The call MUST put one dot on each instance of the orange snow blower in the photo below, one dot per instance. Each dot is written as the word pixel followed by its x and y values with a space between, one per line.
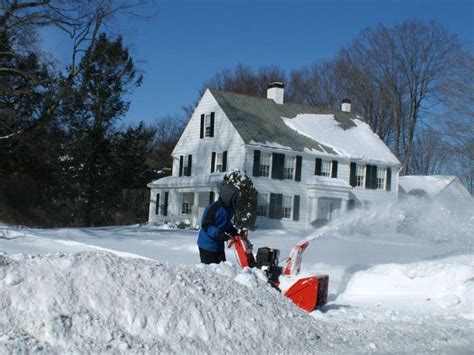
pixel 307 293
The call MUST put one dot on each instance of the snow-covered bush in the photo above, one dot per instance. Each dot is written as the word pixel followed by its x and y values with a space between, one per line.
pixel 246 212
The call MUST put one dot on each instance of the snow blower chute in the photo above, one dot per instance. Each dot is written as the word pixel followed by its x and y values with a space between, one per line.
pixel 307 293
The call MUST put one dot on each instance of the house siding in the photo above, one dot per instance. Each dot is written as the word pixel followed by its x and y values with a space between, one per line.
pixel 226 138
pixel 292 187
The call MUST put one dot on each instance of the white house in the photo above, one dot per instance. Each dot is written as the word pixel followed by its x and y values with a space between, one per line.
pixel 306 163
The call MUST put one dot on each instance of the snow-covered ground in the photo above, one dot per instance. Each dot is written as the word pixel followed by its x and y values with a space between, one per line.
pixel 401 280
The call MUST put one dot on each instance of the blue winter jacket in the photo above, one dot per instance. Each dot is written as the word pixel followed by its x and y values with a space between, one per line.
pixel 215 219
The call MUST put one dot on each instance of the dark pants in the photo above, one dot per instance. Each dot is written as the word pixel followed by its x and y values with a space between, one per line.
pixel 211 257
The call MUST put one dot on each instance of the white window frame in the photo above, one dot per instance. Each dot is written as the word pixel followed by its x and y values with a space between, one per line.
pixel 289 168
pixel 262 169
pixel 263 203
pixel 326 167
pixel 207 125
pixel 219 162
pixel 287 207
pixel 360 178
pixel 186 206
pixel 381 177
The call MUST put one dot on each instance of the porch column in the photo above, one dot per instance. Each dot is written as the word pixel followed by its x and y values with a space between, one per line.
pixel 344 205
pixel 195 208
pixel 314 209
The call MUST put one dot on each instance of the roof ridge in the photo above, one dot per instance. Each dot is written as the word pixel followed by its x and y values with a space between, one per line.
pixel 333 111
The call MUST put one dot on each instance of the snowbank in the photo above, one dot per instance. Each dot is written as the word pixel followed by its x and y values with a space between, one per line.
pixel 446 283
pixel 97 302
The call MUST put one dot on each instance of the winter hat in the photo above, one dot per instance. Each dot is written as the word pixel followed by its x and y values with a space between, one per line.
pixel 229 196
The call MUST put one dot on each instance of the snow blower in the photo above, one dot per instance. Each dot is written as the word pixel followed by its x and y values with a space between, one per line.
pixel 307 293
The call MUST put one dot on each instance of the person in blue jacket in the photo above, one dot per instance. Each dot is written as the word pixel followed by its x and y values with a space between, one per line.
pixel 216 225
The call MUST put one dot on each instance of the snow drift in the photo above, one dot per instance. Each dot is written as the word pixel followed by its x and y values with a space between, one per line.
pixel 446 283
pixel 96 302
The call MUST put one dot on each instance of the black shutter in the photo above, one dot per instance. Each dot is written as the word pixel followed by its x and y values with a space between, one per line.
pixel 278 165
pixel 388 187
pixel 213 161
pixel 165 206
pixel 275 208
pixel 256 163
pixel 211 197
pixel 317 168
pixel 202 126
pixel 212 124
pixel 374 177
pixel 296 208
pixel 352 179
pixel 299 161
pixel 271 207
pixel 157 206
pixel 224 161
pixel 279 206
pixel 181 158
pixel 190 164
pixel 334 169
pixel 368 176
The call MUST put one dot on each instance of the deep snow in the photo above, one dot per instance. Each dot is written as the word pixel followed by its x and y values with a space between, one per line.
pixel 401 280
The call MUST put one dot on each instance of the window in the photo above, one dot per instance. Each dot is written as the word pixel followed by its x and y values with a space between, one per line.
pixel 326 168
pixel 157 204
pixel 187 205
pixel 289 168
pixel 262 205
pixel 265 163
pixel 219 161
pixel 208 125
pixel 381 178
pixel 287 206
pixel 360 172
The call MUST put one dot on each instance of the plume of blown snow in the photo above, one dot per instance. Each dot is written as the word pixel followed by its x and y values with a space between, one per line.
pixel 415 217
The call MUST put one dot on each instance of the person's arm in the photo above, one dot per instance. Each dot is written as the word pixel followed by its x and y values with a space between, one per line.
pixel 211 224
pixel 231 229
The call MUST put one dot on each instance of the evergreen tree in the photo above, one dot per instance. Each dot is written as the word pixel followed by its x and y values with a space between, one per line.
pixel 246 211
pixel 97 102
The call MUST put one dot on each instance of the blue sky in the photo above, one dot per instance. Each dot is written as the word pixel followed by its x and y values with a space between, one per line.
pixel 186 42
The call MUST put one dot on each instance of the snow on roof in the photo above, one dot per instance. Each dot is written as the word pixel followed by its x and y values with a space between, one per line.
pixel 270 145
pixel 358 142
pixel 327 181
pixel 214 179
pixel 432 185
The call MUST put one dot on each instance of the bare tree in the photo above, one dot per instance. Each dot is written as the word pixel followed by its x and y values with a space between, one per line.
pixel 81 20
pixel 403 69
pixel 167 132
pixel 317 85
pixel 242 80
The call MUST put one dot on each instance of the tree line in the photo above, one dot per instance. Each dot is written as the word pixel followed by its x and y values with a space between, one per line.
pixel 68 159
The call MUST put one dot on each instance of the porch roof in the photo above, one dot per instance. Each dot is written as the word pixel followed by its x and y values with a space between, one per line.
pixel 212 180
pixel 324 181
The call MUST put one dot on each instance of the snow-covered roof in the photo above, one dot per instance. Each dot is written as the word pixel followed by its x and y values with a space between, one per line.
pixel 432 185
pixel 263 122
pixel 358 142
pixel 214 179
